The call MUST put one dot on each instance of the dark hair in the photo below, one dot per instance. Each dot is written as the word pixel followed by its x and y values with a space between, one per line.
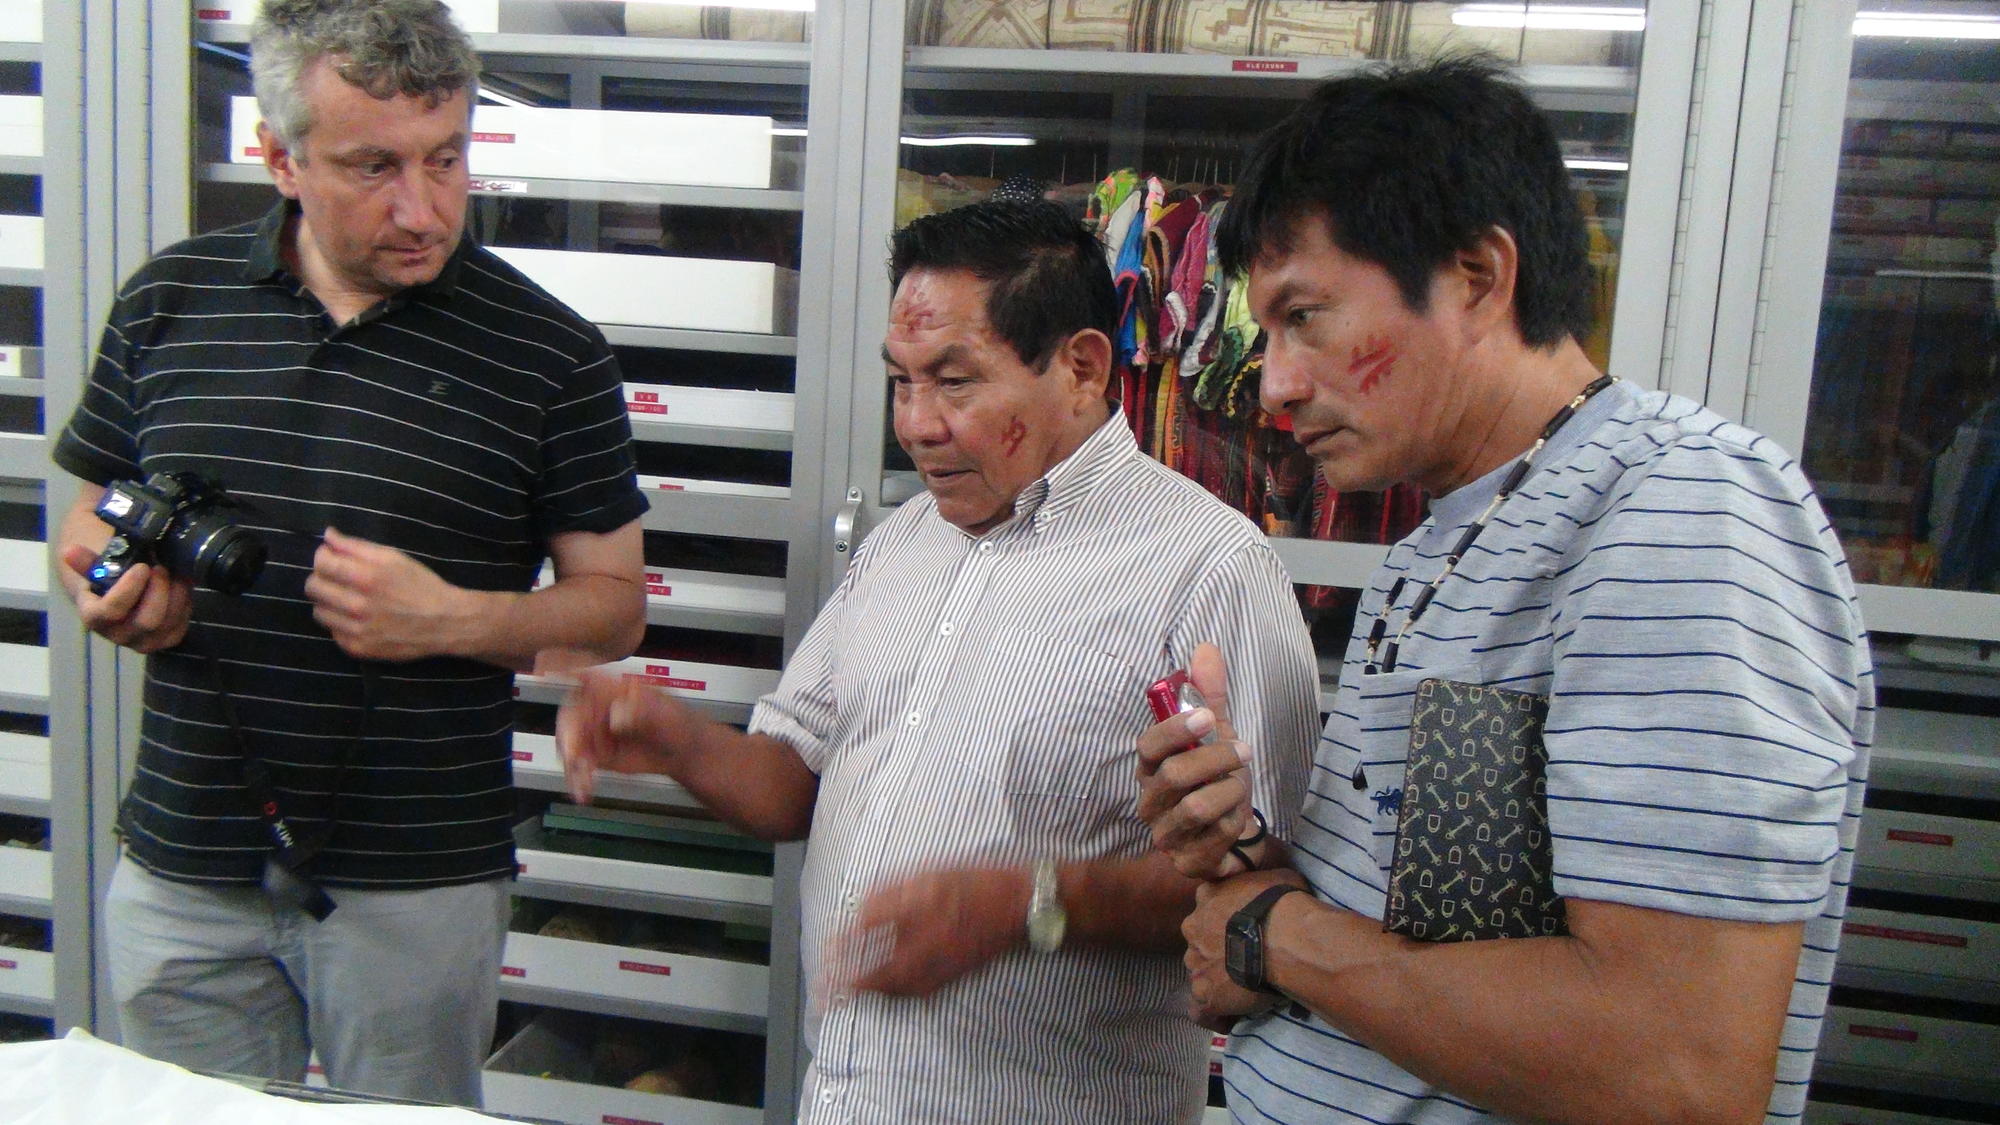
pixel 1410 165
pixel 1046 275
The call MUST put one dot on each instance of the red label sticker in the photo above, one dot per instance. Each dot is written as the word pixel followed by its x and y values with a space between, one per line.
pixel 1264 66
pixel 212 13
pixel 511 971
pixel 253 150
pixel 1899 1034
pixel 1919 936
pixel 660 589
pixel 666 487
pixel 6 964
pixel 646 407
pixel 614 1119
pixel 493 138
pixel 645 396
pixel 1219 1042
pixel 1910 836
pixel 674 681
pixel 1214 1068
pixel 643 967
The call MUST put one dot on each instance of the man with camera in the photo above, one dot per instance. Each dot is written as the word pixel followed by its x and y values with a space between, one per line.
pixel 987 936
pixel 1611 703
pixel 317 835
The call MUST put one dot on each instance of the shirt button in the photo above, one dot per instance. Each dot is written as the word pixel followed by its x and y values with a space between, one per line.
pixel 944 630
pixel 826 1097
pixel 916 717
pixel 986 548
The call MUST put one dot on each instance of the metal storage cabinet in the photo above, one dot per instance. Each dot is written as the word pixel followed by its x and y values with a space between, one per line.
pixel 43 769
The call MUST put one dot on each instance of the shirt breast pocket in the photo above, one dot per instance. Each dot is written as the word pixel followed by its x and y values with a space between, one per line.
pixel 1066 720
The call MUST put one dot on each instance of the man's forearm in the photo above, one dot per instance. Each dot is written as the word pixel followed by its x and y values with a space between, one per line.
pixel 1568 1029
pixel 1127 904
pixel 754 781
pixel 597 616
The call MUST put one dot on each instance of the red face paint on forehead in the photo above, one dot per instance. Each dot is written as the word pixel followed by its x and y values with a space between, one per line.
pixel 1014 435
pixel 1372 361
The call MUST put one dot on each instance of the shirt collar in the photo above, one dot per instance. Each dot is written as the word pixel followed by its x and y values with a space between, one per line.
pixel 1076 476
pixel 267 255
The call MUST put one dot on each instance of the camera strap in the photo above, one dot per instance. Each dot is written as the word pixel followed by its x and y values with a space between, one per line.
pixel 293 848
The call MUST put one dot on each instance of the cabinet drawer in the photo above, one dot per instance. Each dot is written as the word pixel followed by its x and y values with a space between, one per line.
pixel 545 1072
pixel 649 984
pixel 24 774
pixel 27 981
pixel 1920 943
pixel 662 884
pixel 1910 1045
pixel 25 883
pixel 1928 844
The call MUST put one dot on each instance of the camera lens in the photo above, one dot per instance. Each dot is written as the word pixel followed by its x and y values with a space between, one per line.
pixel 214 552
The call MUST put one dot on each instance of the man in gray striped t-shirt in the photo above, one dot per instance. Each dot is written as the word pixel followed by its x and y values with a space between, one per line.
pixel 988 935
pixel 1664 579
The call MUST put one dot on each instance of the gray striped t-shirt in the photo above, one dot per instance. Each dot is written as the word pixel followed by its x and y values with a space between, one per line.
pixel 1669 580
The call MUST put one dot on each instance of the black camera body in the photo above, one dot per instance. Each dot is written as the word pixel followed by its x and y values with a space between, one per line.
pixel 179 522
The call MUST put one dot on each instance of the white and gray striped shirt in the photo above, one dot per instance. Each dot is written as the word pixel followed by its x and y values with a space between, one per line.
pixel 972 701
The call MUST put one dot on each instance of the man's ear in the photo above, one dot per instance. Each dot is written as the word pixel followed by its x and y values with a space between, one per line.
pixel 1087 355
pixel 280 159
pixel 1488 270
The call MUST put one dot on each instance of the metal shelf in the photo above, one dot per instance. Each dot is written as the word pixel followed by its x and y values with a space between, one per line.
pixel 24 574
pixel 27 982
pixel 20 165
pixel 729 437
pixel 26 886
pixel 638 49
pixel 695 513
pixel 24 456
pixel 1916 984
pixel 610 882
pixel 12 387
pixel 24 679
pixel 696 340
pixel 20 52
pixel 595 191
pixel 583 976
pixel 25 278
pixel 538 766
pixel 24 775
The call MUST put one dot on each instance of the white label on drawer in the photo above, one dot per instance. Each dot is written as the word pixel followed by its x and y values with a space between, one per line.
pixel 1891 933
pixel 661 675
pixel 1866 1031
pixel 498 187
pixel 1911 836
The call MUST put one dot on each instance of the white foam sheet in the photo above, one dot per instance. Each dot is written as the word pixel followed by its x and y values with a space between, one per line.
pixel 80 1080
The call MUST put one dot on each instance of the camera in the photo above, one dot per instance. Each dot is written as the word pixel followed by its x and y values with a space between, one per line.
pixel 182 523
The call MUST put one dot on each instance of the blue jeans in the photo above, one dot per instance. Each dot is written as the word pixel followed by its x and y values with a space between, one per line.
pixel 396 991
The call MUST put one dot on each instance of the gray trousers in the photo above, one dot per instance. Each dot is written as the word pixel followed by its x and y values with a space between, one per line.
pixel 396 991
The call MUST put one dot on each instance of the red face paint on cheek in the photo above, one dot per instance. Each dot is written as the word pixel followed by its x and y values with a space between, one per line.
pixel 1014 435
pixel 1372 361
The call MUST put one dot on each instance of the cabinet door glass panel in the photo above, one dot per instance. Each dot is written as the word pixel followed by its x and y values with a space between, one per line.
pixel 1903 430
pixel 1088 102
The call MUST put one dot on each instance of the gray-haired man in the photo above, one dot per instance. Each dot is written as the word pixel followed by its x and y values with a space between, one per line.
pixel 316 836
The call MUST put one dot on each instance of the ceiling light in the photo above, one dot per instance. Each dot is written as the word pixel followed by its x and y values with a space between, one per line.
pixel 942 142
pixel 1551 17
pixel 1918 25
pixel 1598 165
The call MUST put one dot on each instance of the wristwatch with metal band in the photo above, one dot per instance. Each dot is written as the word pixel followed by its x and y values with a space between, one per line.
pixel 1046 918
pixel 1243 938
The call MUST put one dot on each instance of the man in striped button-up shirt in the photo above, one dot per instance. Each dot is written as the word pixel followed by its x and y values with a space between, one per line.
pixel 966 706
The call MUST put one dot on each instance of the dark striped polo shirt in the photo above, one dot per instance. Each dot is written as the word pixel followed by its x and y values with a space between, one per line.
pixel 464 421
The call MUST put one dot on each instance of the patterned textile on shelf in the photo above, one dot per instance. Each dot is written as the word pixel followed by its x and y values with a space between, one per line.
pixel 1012 24
pixel 683 21
pixel 1205 27
pixel 1094 25
pixel 1299 27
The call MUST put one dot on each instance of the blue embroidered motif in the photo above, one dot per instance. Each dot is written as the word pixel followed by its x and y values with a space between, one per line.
pixel 1387 801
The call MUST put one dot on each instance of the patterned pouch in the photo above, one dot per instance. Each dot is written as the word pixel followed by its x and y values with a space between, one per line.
pixel 1473 858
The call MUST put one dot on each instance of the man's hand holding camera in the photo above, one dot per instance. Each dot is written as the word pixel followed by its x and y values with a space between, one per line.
pixel 147 610
pixel 382 604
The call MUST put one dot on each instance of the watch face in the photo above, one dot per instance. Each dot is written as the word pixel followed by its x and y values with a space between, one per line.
pixel 1240 953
